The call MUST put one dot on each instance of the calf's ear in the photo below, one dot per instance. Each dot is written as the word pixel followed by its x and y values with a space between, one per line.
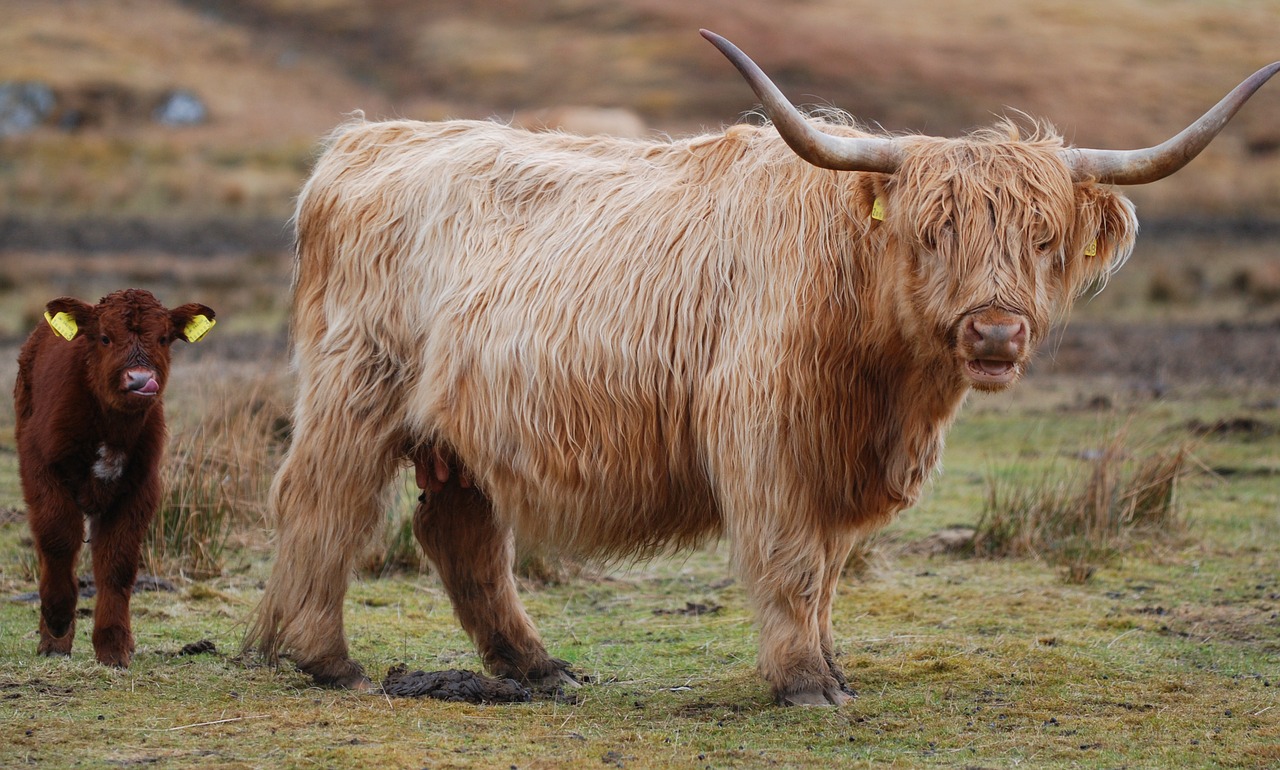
pixel 68 316
pixel 192 320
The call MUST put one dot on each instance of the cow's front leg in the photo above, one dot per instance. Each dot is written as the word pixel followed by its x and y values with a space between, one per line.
pixel 116 543
pixel 837 554
pixel 786 573
pixel 57 529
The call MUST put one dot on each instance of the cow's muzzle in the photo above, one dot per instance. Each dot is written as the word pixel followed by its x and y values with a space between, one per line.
pixel 993 346
pixel 139 381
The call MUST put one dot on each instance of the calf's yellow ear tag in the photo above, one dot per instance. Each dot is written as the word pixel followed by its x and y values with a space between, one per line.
pixel 197 327
pixel 877 210
pixel 1092 249
pixel 63 324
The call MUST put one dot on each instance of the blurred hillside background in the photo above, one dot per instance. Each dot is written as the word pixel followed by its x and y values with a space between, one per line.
pixel 161 142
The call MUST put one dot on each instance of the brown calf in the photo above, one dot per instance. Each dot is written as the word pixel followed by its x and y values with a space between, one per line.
pixel 90 428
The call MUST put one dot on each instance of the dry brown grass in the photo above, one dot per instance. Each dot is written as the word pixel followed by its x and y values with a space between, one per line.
pixel 279 74
pixel 216 478
pixel 1084 516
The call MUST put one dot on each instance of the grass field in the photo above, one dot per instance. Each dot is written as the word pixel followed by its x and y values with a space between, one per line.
pixel 1165 657
pixel 1153 650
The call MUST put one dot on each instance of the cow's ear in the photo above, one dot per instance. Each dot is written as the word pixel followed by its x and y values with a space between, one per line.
pixel 192 321
pixel 869 198
pixel 1109 226
pixel 1106 229
pixel 68 316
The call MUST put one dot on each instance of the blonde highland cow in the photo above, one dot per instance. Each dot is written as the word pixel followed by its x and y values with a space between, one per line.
pixel 621 346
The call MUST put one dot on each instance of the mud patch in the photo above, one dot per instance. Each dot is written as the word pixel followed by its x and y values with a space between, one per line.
pixel 38 685
pixel 1246 427
pixel 945 541
pixel 692 609
pixel 1240 624
pixel 197 648
pixel 88 589
pixel 453 685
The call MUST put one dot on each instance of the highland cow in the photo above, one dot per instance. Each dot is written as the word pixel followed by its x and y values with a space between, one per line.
pixel 621 346
pixel 91 432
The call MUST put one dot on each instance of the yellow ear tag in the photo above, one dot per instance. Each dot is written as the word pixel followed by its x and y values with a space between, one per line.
pixel 197 327
pixel 1092 249
pixel 877 210
pixel 63 324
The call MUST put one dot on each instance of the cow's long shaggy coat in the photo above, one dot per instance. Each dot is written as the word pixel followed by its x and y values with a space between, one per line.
pixel 632 345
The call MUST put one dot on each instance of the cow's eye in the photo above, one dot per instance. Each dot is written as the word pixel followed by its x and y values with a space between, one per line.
pixel 105 340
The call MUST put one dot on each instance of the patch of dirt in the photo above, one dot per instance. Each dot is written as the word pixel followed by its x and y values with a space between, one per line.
pixel 453 685
pixel 88 589
pixel 1239 623
pixel 1156 354
pixel 12 513
pixel 40 686
pixel 692 609
pixel 1247 427
pixel 957 539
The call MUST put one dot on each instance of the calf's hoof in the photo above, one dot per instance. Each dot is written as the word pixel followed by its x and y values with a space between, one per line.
pixel 116 657
pixel 55 645
pixel 113 646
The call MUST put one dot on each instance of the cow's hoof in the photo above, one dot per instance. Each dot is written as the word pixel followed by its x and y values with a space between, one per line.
pixel 817 696
pixel 343 674
pixel 114 658
pixel 556 681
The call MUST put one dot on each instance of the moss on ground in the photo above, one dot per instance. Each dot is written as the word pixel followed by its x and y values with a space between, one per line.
pixel 1166 658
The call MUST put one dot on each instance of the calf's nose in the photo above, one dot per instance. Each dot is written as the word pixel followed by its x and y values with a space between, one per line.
pixel 141 381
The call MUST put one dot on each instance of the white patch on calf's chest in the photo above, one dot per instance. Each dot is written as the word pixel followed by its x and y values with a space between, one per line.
pixel 110 464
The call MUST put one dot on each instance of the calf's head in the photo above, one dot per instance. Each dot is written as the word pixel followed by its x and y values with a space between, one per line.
pixel 126 339
pixel 990 235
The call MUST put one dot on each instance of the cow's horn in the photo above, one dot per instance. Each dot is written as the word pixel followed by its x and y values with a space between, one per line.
pixel 841 153
pixel 1153 163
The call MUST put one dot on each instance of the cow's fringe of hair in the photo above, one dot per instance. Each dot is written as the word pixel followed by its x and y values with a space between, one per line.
pixel 635 345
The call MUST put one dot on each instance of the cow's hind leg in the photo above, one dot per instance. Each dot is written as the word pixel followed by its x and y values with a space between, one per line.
pixel 474 554
pixel 327 497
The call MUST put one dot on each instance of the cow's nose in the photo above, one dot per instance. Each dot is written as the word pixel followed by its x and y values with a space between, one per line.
pixel 1002 339
pixel 140 381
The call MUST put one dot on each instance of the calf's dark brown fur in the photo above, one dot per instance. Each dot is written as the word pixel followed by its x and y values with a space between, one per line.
pixel 91 432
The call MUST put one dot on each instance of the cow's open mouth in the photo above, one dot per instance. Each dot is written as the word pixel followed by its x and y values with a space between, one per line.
pixel 987 371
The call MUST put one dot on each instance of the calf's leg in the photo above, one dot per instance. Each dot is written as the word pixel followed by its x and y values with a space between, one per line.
pixel 474 555
pixel 57 531
pixel 116 544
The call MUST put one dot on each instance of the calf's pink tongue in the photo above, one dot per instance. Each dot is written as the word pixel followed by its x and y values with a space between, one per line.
pixel 151 387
